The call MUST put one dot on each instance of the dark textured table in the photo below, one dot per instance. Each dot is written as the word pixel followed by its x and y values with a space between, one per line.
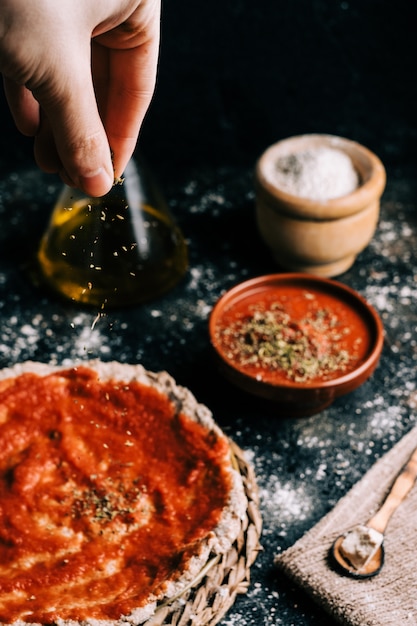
pixel 221 99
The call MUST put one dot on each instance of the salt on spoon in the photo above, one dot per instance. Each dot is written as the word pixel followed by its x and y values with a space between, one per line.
pixel 360 552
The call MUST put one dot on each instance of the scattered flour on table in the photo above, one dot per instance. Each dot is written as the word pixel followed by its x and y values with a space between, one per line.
pixel 282 502
pixel 205 286
pixel 318 173
pixel 68 340
pixel 257 613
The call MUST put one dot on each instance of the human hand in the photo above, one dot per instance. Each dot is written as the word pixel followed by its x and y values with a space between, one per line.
pixel 79 76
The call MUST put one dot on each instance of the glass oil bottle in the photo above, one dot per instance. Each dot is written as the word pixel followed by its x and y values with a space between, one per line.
pixel 121 249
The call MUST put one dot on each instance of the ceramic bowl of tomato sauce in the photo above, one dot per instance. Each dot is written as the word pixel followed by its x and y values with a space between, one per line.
pixel 296 339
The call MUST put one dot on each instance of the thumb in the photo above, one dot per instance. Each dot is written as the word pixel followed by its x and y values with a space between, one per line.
pixel 71 139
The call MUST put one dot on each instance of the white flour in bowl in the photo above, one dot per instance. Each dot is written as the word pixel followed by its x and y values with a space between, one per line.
pixel 317 173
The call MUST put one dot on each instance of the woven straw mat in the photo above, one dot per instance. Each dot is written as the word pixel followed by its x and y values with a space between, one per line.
pixel 206 601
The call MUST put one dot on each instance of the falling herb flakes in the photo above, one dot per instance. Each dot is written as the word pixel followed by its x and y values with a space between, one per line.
pixel 267 339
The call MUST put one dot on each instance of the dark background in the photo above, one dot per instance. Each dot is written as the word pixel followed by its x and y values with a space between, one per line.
pixel 237 75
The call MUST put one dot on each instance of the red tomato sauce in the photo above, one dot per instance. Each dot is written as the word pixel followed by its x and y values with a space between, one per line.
pixel 295 335
pixel 104 493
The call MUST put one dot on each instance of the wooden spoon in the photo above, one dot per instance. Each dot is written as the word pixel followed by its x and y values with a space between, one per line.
pixel 360 551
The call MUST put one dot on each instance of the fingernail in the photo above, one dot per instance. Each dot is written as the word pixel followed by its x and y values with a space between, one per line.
pixel 97 183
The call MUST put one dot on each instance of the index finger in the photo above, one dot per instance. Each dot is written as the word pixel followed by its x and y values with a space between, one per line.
pixel 131 84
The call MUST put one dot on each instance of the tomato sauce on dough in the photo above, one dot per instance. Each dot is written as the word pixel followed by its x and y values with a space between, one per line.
pixel 301 336
pixel 104 493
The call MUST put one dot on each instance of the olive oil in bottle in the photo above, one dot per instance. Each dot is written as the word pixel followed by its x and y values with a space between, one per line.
pixel 120 249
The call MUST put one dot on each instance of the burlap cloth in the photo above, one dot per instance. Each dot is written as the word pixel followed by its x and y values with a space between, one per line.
pixel 391 596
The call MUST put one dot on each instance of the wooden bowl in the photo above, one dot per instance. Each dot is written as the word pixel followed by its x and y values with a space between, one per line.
pixel 295 339
pixel 321 236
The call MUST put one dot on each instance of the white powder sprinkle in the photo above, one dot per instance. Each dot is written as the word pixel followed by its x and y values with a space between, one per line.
pixel 282 504
pixel 21 340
